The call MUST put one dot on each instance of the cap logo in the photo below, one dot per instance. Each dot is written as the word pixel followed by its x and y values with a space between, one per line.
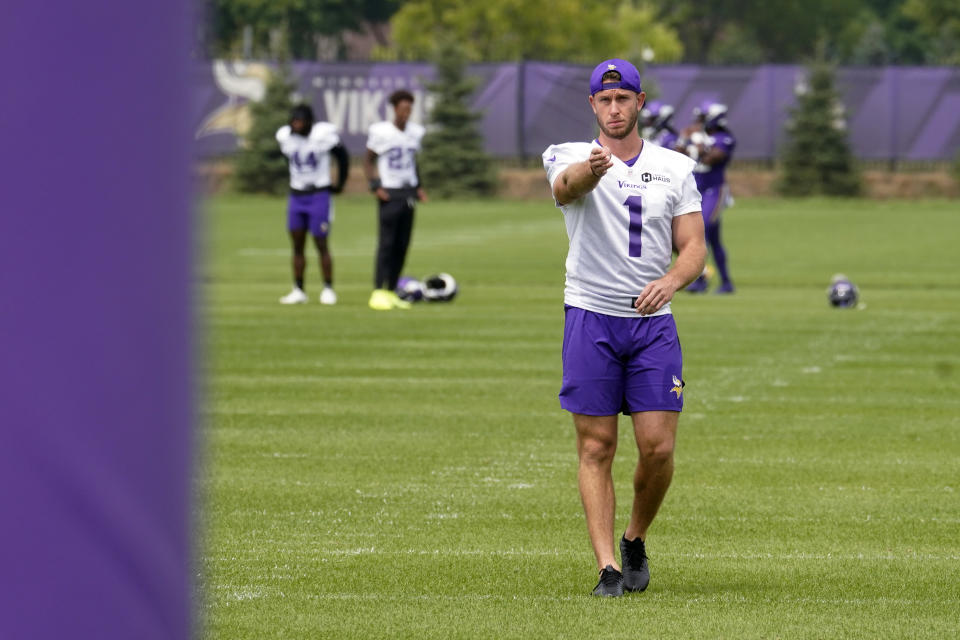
pixel 629 77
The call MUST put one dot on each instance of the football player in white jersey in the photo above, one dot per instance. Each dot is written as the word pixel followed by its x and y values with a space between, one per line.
pixel 391 167
pixel 308 146
pixel 628 207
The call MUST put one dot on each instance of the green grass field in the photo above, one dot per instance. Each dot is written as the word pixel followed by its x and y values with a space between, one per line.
pixel 411 475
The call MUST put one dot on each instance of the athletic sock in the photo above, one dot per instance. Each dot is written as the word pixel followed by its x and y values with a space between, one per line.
pixel 299 283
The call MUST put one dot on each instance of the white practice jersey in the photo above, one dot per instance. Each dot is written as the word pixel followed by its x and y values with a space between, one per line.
pixel 621 233
pixel 397 153
pixel 309 156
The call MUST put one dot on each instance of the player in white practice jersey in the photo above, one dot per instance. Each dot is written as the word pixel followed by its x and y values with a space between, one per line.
pixel 308 147
pixel 391 167
pixel 628 206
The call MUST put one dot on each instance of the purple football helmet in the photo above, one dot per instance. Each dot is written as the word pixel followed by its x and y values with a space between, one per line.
pixel 409 289
pixel 843 293
pixel 715 116
pixel 700 111
pixel 661 113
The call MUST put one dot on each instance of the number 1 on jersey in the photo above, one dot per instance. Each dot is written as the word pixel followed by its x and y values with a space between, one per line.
pixel 634 206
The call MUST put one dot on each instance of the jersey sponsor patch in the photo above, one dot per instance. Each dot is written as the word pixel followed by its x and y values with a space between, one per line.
pixel 654 177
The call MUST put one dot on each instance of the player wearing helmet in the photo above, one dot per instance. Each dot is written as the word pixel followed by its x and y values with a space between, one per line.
pixel 308 146
pixel 713 149
pixel 661 128
pixel 693 135
pixel 627 204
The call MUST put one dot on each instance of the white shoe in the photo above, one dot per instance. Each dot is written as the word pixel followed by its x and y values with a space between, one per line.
pixel 297 296
pixel 327 296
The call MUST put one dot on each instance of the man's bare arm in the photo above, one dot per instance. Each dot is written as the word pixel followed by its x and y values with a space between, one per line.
pixel 581 178
pixel 370 165
pixel 691 254
pixel 370 170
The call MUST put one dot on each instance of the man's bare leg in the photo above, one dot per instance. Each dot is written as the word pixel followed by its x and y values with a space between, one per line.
pixel 596 445
pixel 298 239
pixel 656 434
pixel 326 259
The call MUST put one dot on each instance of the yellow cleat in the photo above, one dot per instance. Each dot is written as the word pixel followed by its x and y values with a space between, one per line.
pixel 380 300
pixel 397 302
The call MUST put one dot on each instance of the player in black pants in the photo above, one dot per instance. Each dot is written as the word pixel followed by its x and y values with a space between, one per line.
pixel 396 226
pixel 390 165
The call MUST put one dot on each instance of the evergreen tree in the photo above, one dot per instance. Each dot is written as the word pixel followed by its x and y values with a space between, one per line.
pixel 259 166
pixel 453 162
pixel 817 158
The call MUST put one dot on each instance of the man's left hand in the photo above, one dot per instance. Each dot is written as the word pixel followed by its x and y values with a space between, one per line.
pixel 655 295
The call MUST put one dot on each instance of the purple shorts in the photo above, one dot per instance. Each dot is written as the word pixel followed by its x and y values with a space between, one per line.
pixel 309 211
pixel 613 364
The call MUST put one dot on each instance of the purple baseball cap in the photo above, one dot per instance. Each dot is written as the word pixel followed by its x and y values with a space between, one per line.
pixel 629 76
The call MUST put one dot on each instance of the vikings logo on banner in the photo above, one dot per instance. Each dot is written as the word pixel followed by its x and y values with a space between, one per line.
pixel 242 83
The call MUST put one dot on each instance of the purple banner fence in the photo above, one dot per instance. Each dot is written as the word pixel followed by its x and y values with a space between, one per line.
pixel 894 113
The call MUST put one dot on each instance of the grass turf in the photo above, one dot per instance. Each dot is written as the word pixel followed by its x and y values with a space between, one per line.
pixel 410 474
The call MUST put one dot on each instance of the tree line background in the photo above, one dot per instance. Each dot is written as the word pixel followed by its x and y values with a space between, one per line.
pixel 452 33
pixel 855 32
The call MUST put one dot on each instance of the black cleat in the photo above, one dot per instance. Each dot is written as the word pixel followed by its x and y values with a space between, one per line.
pixel 636 573
pixel 611 583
